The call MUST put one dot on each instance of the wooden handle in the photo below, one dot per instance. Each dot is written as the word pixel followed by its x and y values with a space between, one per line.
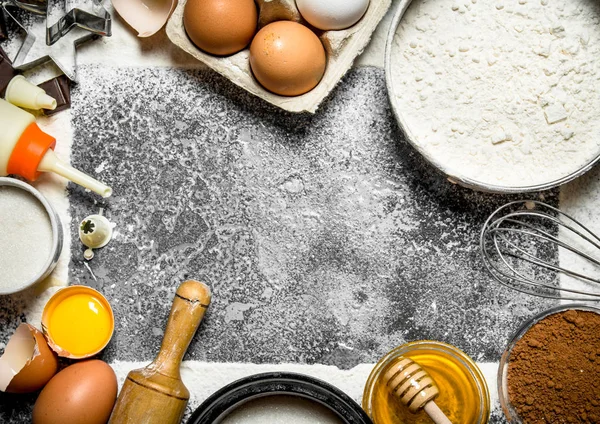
pixel 155 394
pixel 189 305
pixel 436 414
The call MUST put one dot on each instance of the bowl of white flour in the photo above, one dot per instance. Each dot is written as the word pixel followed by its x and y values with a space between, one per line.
pixel 500 95
pixel 31 236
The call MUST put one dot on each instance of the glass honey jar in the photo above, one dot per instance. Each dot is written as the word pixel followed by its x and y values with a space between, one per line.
pixel 464 395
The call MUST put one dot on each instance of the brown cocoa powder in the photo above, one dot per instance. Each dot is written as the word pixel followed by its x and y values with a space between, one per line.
pixel 554 370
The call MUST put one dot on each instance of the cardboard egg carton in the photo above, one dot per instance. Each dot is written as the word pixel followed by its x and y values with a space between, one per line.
pixel 342 48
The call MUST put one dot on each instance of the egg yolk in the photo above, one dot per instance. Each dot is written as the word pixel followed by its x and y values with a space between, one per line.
pixel 80 324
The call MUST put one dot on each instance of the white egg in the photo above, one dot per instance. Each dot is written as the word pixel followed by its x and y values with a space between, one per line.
pixel 332 14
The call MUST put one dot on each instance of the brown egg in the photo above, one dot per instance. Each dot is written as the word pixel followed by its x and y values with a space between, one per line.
pixel 287 58
pixel 83 393
pixel 220 27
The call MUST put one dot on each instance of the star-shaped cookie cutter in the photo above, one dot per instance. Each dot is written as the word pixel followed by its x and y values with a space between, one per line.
pixel 58 42
pixel 91 16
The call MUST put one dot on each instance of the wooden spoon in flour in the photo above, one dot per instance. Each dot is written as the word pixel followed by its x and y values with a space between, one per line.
pixel 415 388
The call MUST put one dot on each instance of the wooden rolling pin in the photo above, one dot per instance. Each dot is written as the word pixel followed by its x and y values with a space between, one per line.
pixel 415 388
pixel 156 394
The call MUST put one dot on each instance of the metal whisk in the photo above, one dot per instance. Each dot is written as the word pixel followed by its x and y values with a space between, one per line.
pixel 521 243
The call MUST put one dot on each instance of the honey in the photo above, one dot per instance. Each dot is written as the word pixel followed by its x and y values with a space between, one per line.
pixel 464 396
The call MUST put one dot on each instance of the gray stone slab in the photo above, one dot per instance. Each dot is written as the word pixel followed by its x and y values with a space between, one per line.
pixel 325 238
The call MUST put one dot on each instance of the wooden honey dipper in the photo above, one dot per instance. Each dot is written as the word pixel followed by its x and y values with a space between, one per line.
pixel 416 389
pixel 155 394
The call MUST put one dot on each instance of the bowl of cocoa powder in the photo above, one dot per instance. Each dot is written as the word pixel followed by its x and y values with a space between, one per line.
pixel 550 370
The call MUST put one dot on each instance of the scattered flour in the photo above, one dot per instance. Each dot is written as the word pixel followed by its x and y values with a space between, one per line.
pixel 204 378
pixel 502 92
pixel 281 409
pixel 580 199
pixel 25 237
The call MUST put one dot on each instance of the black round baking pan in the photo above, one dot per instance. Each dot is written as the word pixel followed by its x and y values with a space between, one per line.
pixel 224 401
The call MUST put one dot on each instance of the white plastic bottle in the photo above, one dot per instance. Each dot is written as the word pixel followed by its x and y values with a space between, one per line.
pixel 27 151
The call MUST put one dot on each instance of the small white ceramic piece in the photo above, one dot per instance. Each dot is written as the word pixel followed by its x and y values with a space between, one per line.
pixel 22 93
pixel 332 14
pixel 95 231
pixel 147 17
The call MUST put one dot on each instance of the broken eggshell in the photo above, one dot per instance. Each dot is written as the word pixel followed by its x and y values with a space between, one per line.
pixel 147 17
pixel 28 362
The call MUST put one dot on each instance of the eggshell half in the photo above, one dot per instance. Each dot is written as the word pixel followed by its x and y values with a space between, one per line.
pixel 146 17
pixel 83 393
pixel 28 363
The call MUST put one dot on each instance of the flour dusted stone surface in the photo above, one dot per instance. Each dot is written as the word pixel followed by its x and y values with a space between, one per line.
pixel 502 92
pixel 324 238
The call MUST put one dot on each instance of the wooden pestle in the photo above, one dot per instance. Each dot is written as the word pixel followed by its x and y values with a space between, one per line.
pixel 155 394
pixel 415 388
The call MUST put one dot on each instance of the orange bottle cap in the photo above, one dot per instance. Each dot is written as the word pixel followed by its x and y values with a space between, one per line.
pixel 29 152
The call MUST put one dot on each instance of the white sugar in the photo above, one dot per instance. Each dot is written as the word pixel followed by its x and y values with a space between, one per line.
pixel 281 409
pixel 25 237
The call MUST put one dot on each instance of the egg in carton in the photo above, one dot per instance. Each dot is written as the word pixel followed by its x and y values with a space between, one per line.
pixel 342 47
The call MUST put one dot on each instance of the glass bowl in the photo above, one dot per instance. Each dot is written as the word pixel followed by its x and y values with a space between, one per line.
pixel 509 410
pixel 462 385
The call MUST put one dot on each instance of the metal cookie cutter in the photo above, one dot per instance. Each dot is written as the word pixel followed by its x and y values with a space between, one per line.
pixel 89 15
pixel 45 42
